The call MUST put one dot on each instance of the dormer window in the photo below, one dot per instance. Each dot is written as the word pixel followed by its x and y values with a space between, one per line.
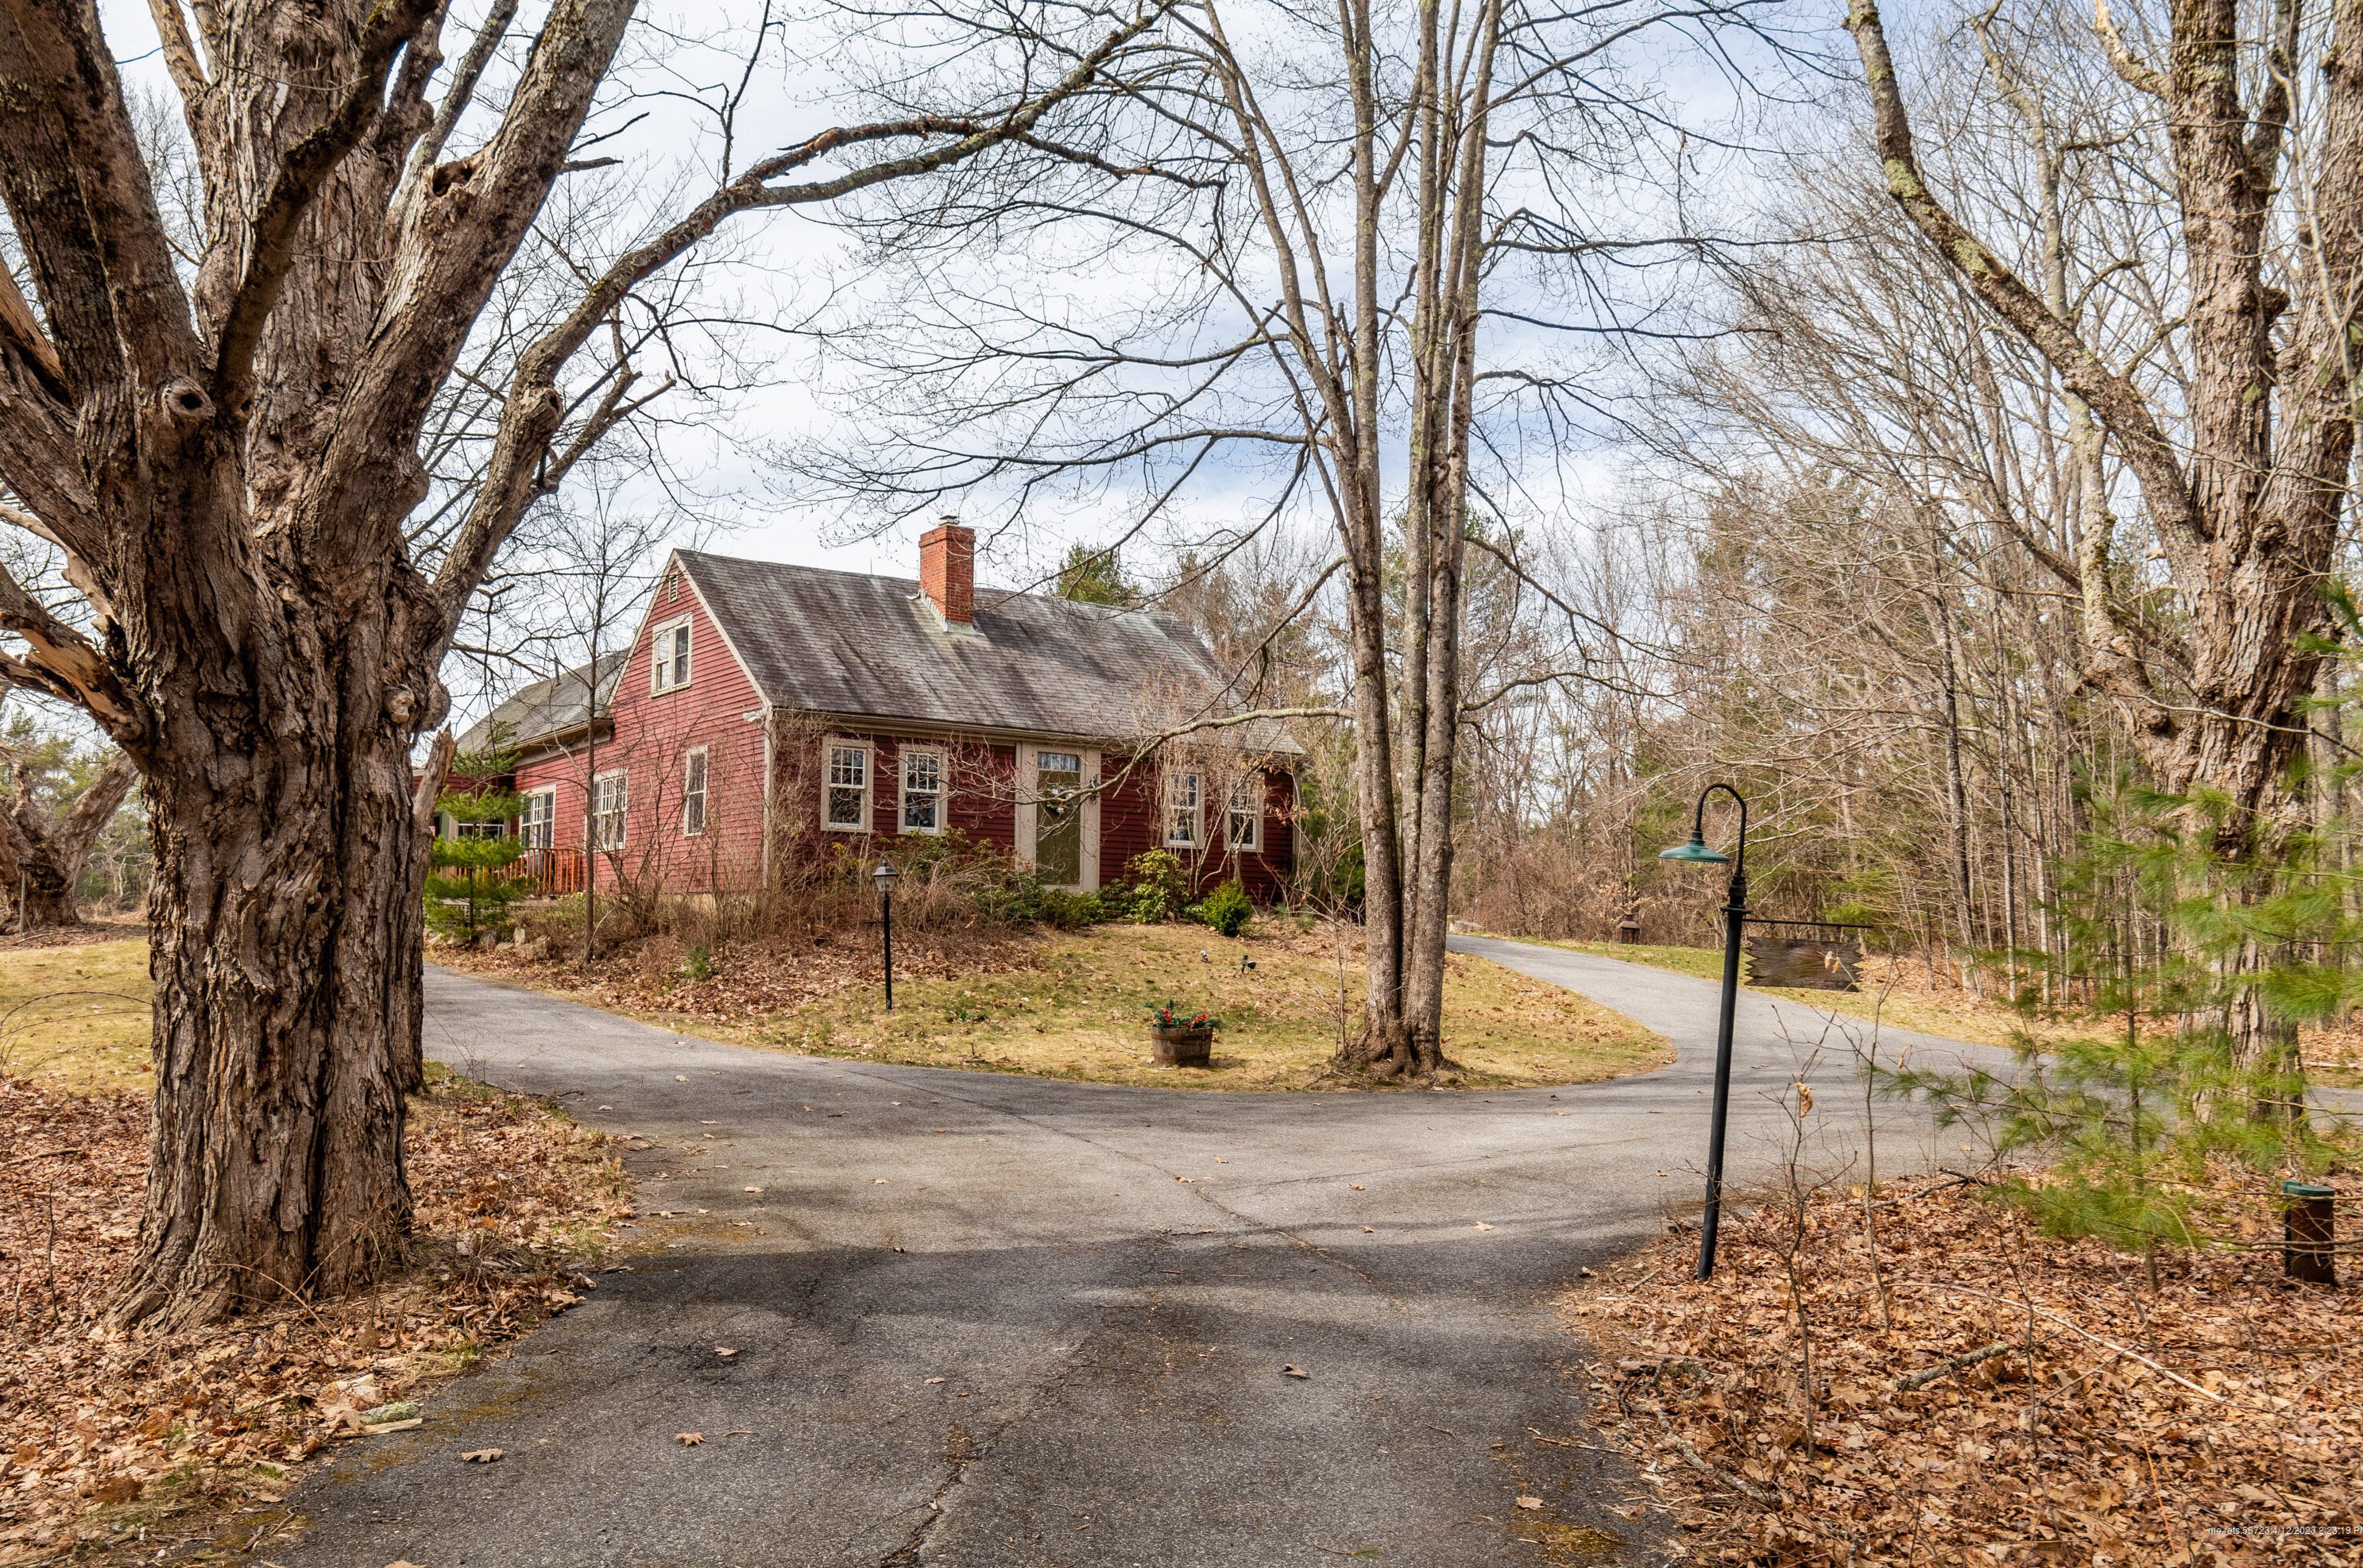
pixel 669 666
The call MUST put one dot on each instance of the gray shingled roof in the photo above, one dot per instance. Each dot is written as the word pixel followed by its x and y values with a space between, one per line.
pixel 552 706
pixel 843 643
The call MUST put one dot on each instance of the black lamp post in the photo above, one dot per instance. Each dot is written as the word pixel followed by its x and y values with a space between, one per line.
pixel 882 878
pixel 1735 915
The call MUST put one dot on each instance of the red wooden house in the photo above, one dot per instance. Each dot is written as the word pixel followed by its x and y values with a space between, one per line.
pixel 768 717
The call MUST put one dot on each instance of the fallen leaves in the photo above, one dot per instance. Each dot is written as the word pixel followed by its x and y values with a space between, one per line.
pixel 688 1440
pixel 481 1457
pixel 1294 1371
pixel 1986 1384
pixel 1482 1226
pixel 1530 1502
pixel 197 1420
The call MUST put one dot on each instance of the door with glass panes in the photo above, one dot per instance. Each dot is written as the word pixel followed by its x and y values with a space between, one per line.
pixel 1059 816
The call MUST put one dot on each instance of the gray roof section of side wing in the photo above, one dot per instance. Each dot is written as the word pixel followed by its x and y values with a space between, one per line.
pixel 554 705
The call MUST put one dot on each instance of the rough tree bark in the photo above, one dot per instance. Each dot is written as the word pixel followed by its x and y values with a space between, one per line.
pixel 41 857
pixel 230 468
pixel 2247 502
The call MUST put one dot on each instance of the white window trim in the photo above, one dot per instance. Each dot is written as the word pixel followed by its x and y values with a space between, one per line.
pixel 548 795
pixel 660 656
pixel 1196 806
pixel 869 751
pixel 903 786
pixel 623 777
pixel 698 756
pixel 1252 844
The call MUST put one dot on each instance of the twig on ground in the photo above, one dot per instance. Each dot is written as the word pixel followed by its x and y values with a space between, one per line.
pixel 1747 1489
pixel 2054 1317
pixel 1952 1364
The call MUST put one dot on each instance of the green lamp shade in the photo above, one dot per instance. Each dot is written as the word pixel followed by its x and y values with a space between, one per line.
pixel 1695 850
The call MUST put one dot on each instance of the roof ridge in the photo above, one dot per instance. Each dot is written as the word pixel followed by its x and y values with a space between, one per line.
pixel 999 594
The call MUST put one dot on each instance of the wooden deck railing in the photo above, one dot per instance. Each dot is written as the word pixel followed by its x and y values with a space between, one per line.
pixel 551 871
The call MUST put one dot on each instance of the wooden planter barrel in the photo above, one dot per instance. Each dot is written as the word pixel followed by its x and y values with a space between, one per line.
pixel 1183 1047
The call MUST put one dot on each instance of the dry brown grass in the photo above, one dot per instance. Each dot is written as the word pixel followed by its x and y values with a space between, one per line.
pixel 1074 1005
pixel 74 1010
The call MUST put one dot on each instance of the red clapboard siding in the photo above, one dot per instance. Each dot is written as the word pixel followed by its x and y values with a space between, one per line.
pixel 979 804
pixel 654 733
pixel 1129 815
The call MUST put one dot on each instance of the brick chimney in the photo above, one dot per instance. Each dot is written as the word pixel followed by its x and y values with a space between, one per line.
pixel 948 571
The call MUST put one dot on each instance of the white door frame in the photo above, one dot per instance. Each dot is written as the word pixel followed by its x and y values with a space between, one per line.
pixel 1029 777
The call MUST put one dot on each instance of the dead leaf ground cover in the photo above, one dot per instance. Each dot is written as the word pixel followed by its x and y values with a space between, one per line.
pixel 116 1446
pixel 1074 1005
pixel 746 976
pixel 2215 1418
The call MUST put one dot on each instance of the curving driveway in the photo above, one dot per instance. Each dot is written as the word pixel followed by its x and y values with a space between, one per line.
pixel 990 1320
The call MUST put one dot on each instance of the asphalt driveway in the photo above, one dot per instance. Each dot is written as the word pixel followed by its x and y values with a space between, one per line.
pixel 991 1320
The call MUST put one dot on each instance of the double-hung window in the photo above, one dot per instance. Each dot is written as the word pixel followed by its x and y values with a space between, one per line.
pixel 845 787
pixel 1181 810
pixel 692 794
pixel 609 801
pixel 669 665
pixel 537 820
pixel 1242 822
pixel 923 790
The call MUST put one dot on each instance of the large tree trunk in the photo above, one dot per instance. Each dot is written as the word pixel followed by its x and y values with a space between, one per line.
pixel 2243 461
pixel 287 958
pixel 230 472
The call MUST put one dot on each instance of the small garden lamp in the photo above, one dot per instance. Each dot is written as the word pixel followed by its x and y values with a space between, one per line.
pixel 882 878
pixel 1735 915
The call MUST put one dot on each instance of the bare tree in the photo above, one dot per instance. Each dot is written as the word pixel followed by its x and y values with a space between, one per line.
pixel 231 461
pixel 56 806
pixel 2240 455
pixel 1321 217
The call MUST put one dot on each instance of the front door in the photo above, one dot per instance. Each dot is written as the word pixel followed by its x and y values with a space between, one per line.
pixel 1059 817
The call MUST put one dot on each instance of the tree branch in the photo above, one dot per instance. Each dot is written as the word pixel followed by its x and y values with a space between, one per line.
pixel 179 52
pixel 530 419
pixel 2122 59
pixel 2156 467
pixel 82 208
pixel 69 841
pixel 456 99
pixel 302 173
pixel 68 665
